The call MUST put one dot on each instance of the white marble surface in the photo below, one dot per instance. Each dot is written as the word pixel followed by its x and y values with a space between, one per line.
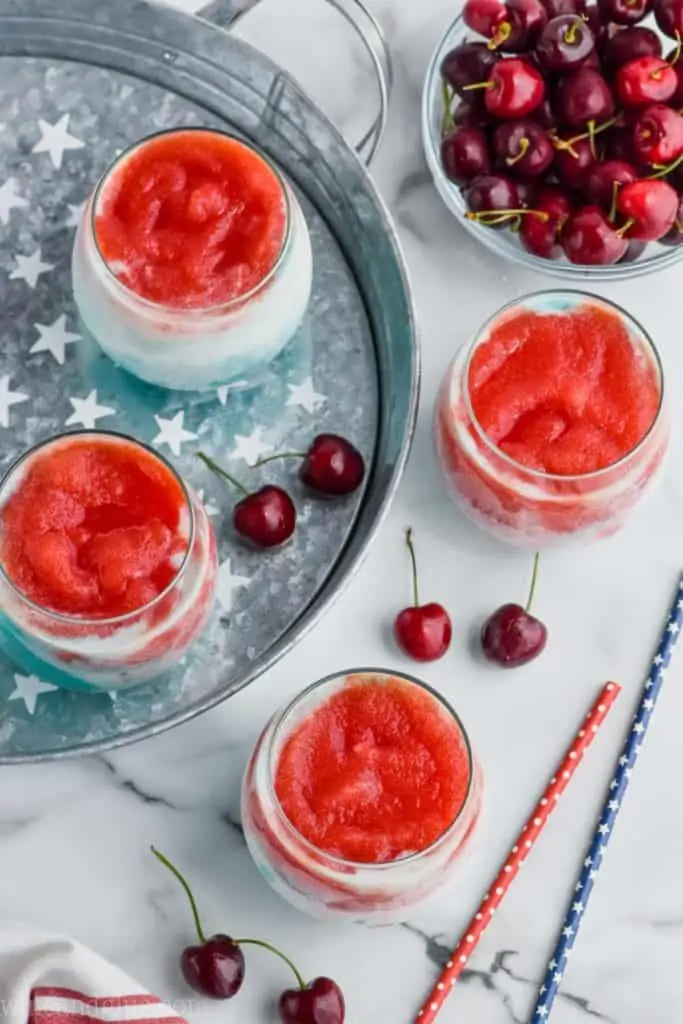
pixel 75 836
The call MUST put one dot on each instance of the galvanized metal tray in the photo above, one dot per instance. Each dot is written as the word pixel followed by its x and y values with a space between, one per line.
pixel 78 82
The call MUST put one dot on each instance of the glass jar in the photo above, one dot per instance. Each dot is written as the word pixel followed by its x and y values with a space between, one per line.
pixel 327 886
pixel 525 506
pixel 189 348
pixel 89 654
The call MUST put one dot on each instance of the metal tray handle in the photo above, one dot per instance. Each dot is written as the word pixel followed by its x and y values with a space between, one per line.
pixel 226 12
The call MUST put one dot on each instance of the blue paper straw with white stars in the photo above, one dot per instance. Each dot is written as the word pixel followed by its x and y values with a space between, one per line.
pixel 608 815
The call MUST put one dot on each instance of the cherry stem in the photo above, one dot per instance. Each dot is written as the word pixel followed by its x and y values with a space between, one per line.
pixel 447 121
pixel 478 85
pixel 490 217
pixel 532 588
pixel 677 52
pixel 413 563
pixel 594 130
pixel 591 138
pixel 523 147
pixel 570 34
pixel 502 33
pixel 624 227
pixel 174 871
pixel 663 170
pixel 280 455
pixel 215 468
pixel 273 949
pixel 615 192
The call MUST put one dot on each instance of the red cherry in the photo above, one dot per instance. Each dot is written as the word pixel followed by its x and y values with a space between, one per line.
pixel 650 208
pixel 332 466
pixel 511 636
pixel 266 517
pixel 669 17
pixel 645 80
pixel 590 239
pixel 423 632
pixel 564 43
pixel 675 234
pixel 524 146
pixel 625 12
pixel 541 236
pixel 602 178
pixel 629 44
pixel 465 154
pixel 513 89
pixel 572 163
pixel 658 135
pixel 215 968
pixel 494 20
pixel 582 97
pixel 467 63
pixel 320 1002
pixel 533 17
pixel 557 7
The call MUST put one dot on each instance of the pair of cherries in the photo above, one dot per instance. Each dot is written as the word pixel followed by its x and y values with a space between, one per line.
pixel 216 967
pixel 510 637
pixel 331 467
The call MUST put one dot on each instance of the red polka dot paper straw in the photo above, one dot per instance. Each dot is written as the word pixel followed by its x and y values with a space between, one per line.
pixel 518 854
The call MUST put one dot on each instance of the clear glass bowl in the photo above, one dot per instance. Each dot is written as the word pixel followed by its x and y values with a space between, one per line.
pixel 526 506
pixel 327 886
pixel 103 654
pixel 506 243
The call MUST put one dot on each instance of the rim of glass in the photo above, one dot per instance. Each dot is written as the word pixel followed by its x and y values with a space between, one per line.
pixel 500 242
pixel 279 724
pixel 648 346
pixel 82 620
pixel 194 310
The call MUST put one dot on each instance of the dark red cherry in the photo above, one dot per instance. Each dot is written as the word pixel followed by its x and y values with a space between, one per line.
pixel 533 17
pixel 603 179
pixel 496 21
pixel 545 115
pixel 512 636
pixel 649 208
pixel 590 239
pixel 523 146
pixel 629 44
pixel 492 192
pixel 332 466
pixel 645 80
pixel 675 59
pixel 617 144
pixel 465 64
pixel 658 135
pixel 215 968
pixel 674 235
pixel 564 43
pixel 557 7
pixel 266 517
pixel 465 154
pixel 625 12
pixel 422 631
pixel 526 189
pixel 595 23
pixel 572 163
pixel 541 236
pixel 669 17
pixel 582 97
pixel 319 1002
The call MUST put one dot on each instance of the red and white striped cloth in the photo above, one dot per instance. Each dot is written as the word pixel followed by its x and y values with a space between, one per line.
pixel 51 979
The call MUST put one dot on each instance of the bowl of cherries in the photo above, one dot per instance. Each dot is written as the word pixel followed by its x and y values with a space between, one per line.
pixel 553 130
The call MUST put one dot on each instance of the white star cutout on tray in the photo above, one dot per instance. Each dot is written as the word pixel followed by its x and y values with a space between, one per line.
pixel 54 338
pixel 251 448
pixel 75 214
pixel 305 395
pixel 7 399
pixel 28 689
pixel 9 200
pixel 224 390
pixel 87 412
pixel 29 268
pixel 226 583
pixel 209 508
pixel 55 139
pixel 172 432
